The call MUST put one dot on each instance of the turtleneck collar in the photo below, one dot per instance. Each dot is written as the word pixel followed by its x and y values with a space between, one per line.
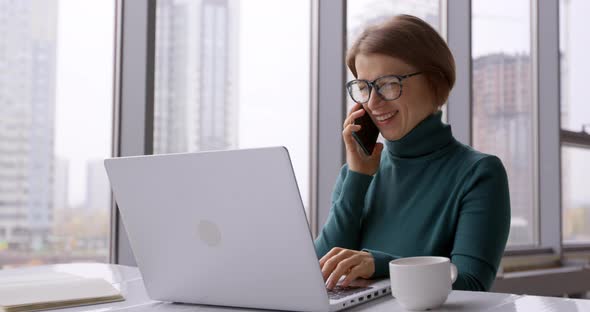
pixel 428 137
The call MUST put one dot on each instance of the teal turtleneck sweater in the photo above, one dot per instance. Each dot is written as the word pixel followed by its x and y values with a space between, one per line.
pixel 432 196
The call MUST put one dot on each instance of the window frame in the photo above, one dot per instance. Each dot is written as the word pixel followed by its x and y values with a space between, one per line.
pixel 133 101
pixel 548 95
pixel 328 104
pixel 569 138
pixel 580 140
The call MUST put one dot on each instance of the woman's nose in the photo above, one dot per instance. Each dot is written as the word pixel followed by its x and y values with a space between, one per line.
pixel 375 101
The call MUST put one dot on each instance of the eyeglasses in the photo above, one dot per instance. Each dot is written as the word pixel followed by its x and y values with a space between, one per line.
pixel 388 87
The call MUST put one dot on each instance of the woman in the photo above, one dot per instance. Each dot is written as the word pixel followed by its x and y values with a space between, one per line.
pixel 426 194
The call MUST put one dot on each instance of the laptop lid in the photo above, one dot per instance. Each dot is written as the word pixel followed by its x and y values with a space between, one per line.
pixel 220 228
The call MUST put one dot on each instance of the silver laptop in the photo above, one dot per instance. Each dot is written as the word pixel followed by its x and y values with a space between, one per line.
pixel 224 228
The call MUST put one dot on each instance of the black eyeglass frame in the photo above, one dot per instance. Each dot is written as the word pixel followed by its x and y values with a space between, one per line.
pixel 372 85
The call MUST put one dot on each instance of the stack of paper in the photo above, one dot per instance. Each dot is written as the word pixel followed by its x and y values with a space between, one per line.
pixel 36 292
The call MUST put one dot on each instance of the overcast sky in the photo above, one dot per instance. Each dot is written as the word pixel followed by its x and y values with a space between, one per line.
pixel 274 76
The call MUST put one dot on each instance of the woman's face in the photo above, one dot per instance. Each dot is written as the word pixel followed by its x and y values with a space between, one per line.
pixel 398 117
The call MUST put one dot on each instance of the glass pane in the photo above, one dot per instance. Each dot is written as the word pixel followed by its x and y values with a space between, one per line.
pixel 55 130
pixel 225 79
pixel 575 199
pixel 362 13
pixel 575 64
pixel 503 108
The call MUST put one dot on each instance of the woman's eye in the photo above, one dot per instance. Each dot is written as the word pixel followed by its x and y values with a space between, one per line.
pixel 388 86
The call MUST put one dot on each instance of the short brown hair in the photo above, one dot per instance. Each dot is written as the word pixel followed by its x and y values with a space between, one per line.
pixel 413 41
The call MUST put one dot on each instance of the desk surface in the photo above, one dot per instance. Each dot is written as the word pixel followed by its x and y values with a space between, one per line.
pixel 128 280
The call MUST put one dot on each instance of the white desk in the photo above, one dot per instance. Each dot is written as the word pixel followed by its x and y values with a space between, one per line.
pixel 128 279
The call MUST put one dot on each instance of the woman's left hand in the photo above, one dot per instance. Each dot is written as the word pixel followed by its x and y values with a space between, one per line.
pixel 340 262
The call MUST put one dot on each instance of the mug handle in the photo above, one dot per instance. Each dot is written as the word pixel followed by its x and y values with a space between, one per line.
pixel 453 273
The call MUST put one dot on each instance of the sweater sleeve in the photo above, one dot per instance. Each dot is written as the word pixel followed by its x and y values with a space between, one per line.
pixel 483 226
pixel 382 260
pixel 343 226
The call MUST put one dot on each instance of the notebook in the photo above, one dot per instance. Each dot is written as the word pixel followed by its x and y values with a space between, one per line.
pixel 43 291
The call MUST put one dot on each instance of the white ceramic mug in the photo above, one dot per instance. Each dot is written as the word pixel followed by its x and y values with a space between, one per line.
pixel 421 283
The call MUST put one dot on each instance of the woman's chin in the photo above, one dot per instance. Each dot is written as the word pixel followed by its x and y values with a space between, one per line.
pixel 392 133
pixel 391 136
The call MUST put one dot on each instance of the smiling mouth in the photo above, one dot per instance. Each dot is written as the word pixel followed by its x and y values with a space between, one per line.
pixel 385 117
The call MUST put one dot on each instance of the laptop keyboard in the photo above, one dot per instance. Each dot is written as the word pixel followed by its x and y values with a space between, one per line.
pixel 339 292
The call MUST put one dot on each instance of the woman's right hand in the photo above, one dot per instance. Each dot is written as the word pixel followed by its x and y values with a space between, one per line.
pixel 356 158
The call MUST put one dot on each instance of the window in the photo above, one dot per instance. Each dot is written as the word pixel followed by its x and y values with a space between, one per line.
pixel 575 121
pixel 234 74
pixel 574 64
pixel 503 103
pixel 55 130
pixel 576 202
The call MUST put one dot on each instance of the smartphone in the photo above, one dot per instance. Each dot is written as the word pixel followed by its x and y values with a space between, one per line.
pixel 367 136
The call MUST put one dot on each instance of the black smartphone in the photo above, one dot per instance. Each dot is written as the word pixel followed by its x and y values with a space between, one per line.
pixel 367 136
